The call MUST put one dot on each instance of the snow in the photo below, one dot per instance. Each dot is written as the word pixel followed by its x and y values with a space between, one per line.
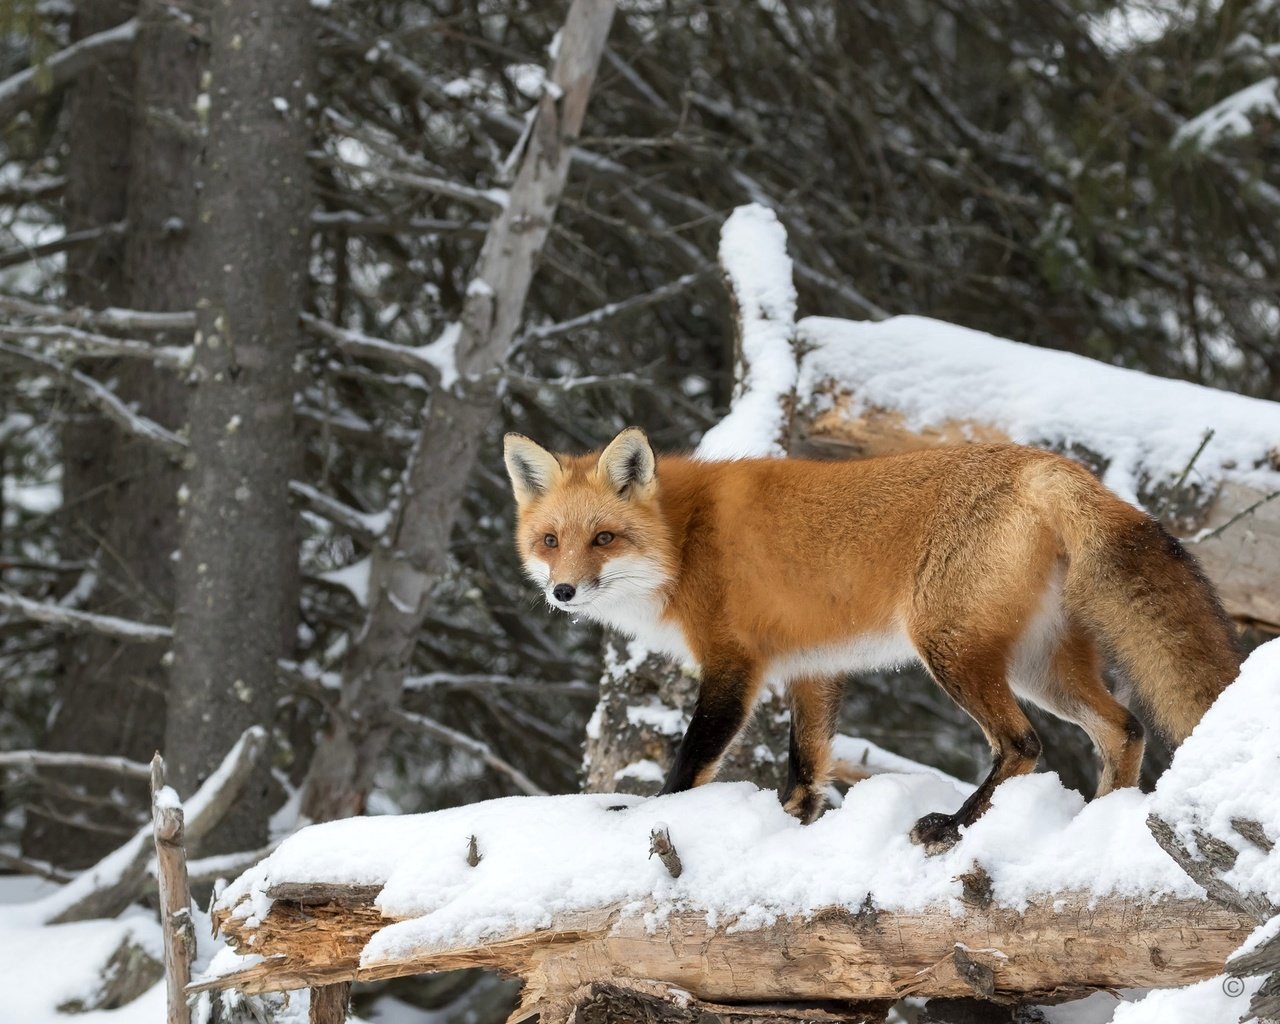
pixel 658 716
pixel 354 578
pixel 62 964
pixel 875 760
pixel 644 770
pixel 1227 769
pixel 1147 427
pixel 753 253
pixel 1217 1000
pixel 545 856
pixel 441 353
pixel 1231 117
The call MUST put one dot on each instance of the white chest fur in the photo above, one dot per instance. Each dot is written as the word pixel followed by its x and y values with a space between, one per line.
pixel 640 617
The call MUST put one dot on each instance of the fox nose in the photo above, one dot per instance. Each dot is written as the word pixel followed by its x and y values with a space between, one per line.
pixel 563 591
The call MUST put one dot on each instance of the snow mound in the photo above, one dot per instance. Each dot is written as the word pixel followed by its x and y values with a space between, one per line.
pixel 1227 771
pixel 753 253
pixel 1148 428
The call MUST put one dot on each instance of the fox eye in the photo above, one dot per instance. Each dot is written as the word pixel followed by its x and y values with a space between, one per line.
pixel 602 538
pixel 550 540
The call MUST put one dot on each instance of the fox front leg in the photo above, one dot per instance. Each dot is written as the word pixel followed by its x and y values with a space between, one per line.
pixel 725 700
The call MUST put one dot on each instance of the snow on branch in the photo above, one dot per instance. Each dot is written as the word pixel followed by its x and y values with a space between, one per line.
pixel 69 759
pixel 116 881
pixel 365 527
pixel 110 319
pixel 472 746
pixel 1043 894
pixel 365 346
pixel 26 87
pixel 66 342
pixel 92 622
pixel 753 253
pixel 1232 117
pixel 103 399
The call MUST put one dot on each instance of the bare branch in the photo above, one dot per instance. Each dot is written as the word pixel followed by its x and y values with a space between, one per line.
pixel 487 680
pixel 490 200
pixel 73 343
pixel 366 346
pixel 360 224
pixel 72 239
pixel 91 622
pixel 110 319
pixel 472 746
pixel 105 400
pixel 115 881
pixel 67 759
pixel 26 87
pixel 364 527
pixel 615 309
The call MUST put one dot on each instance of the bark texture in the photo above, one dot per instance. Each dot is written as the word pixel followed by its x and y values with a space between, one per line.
pixel 119 490
pixel 1062 946
pixel 238 576
pixel 410 566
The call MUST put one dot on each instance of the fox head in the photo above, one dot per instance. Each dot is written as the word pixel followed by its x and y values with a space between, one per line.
pixel 589 528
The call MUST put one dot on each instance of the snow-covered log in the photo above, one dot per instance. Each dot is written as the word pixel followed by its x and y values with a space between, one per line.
pixel 1062 946
pixel 1045 898
pixel 909 382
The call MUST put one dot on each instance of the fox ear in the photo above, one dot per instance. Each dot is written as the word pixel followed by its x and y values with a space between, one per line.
pixel 628 463
pixel 531 467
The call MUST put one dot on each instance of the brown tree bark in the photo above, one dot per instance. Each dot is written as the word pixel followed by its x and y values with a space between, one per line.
pixel 128 160
pixel 237 579
pixel 1061 946
pixel 122 495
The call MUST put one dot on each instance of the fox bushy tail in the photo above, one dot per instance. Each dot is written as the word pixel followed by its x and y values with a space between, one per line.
pixel 1145 598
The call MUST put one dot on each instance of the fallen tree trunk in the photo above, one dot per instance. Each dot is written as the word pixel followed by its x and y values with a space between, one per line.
pixel 1061 947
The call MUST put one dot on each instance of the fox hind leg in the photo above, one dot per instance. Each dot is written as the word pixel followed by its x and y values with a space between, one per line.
pixel 973 674
pixel 1073 690
pixel 815 705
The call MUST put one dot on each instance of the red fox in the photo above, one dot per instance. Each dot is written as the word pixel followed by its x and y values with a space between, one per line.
pixel 1004 569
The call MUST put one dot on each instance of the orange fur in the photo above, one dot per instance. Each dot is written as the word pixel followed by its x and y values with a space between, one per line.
pixel 1001 567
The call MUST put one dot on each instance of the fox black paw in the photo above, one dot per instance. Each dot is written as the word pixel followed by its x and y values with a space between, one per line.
pixel 805 803
pixel 937 833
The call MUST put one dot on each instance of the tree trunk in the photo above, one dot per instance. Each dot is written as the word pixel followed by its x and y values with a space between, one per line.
pixel 120 490
pixel 408 569
pixel 238 574
pixel 97 172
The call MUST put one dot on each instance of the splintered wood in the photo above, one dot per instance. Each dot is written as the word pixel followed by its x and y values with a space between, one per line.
pixel 1063 947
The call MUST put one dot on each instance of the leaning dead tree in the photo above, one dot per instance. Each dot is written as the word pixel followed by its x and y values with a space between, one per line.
pixel 410 564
